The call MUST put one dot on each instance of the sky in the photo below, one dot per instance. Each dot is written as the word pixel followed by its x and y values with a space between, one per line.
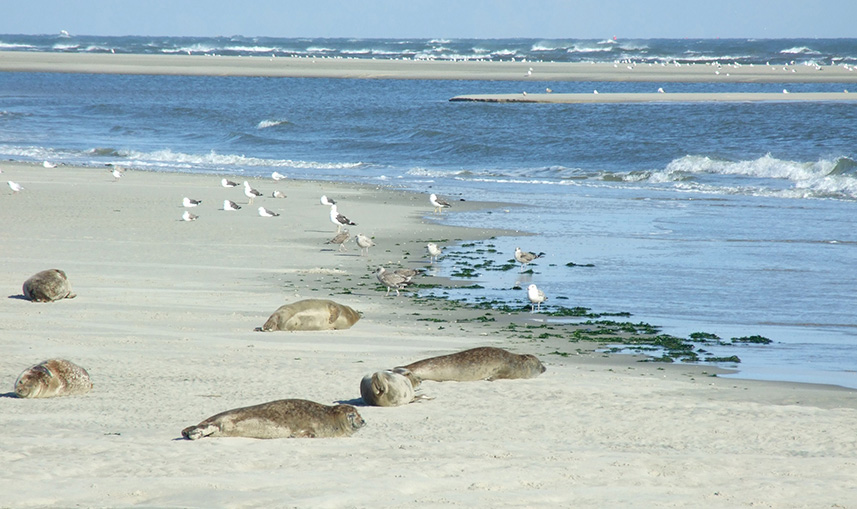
pixel 549 19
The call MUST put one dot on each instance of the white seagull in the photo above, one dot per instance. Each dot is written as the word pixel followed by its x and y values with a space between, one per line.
pixel 438 203
pixel 230 205
pixel 228 183
pixel 16 187
pixel 536 297
pixel 364 242
pixel 48 164
pixel 278 194
pixel 277 176
pixel 117 173
pixel 249 192
pixel 187 202
pixel 525 257
pixel 267 213
pixel 434 251
pixel 187 216
pixel 327 201
pixel 338 219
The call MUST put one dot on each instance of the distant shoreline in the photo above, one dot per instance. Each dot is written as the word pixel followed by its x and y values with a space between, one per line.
pixel 296 67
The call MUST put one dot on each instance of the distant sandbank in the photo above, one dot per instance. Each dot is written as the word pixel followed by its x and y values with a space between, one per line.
pixel 659 97
pixel 210 65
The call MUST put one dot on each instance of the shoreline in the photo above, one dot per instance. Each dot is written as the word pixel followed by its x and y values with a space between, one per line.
pixel 613 98
pixel 296 67
pixel 164 321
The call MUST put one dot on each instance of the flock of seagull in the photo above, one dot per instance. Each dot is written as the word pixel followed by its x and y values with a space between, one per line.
pixel 396 279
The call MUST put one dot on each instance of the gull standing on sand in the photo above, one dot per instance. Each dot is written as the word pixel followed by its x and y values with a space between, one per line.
pixel 327 201
pixel 338 219
pixel 439 203
pixel 391 280
pixel 536 297
pixel 365 243
pixel 267 213
pixel 117 173
pixel 188 202
pixel 228 183
pixel 230 205
pixel 278 194
pixel 525 257
pixel 16 187
pixel 341 238
pixel 48 164
pixel 187 216
pixel 249 192
pixel 434 251
pixel 277 176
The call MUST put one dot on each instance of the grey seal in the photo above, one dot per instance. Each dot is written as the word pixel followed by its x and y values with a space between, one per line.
pixel 311 314
pixel 390 388
pixel 483 363
pixel 48 286
pixel 52 378
pixel 285 418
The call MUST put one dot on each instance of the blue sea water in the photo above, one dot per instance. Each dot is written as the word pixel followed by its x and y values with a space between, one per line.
pixel 730 218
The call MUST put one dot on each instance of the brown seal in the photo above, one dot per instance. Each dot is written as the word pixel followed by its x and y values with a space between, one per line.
pixel 48 286
pixel 390 388
pixel 285 418
pixel 51 378
pixel 483 363
pixel 311 314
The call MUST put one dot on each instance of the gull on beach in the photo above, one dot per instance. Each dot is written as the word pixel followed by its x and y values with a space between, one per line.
pixel 187 216
pixel 228 183
pixel 16 187
pixel 277 176
pixel 365 243
pixel 341 238
pixel 249 192
pixel 439 203
pixel 278 194
pixel 230 205
pixel 525 257
pixel 391 280
pixel 267 213
pixel 327 201
pixel 188 202
pixel 48 164
pixel 117 173
pixel 536 297
pixel 434 251
pixel 338 219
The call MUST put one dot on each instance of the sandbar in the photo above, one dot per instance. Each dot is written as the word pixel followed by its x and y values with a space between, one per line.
pixel 608 98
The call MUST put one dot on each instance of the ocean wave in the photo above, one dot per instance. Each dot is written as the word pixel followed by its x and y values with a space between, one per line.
pixel 799 50
pixel 264 124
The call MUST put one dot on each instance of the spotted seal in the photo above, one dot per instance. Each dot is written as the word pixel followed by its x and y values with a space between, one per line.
pixel 285 418
pixel 52 378
pixel 311 314
pixel 48 286
pixel 483 363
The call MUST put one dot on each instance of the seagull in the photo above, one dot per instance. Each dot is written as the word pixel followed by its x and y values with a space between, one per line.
pixel 117 173
pixel 278 194
pixel 408 273
pixel 439 203
pixel 341 238
pixel 525 257
pixel 277 176
pixel 48 164
pixel 338 219
pixel 327 201
pixel 230 205
pixel 187 202
pixel 16 187
pixel 548 90
pixel 391 280
pixel 267 213
pixel 433 250
pixel 249 192
pixel 364 242
pixel 536 297
pixel 660 90
pixel 228 183
pixel 187 216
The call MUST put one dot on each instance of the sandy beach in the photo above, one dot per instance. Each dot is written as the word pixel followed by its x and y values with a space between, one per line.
pixel 213 65
pixel 164 323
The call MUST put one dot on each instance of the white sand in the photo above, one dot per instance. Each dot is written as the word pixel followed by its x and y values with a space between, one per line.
pixel 164 323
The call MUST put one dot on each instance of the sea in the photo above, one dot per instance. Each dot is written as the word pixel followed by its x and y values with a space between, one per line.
pixel 734 219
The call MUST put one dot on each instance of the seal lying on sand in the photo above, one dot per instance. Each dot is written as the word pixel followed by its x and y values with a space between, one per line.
pixel 484 363
pixel 51 378
pixel 390 388
pixel 311 314
pixel 285 418
pixel 48 286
